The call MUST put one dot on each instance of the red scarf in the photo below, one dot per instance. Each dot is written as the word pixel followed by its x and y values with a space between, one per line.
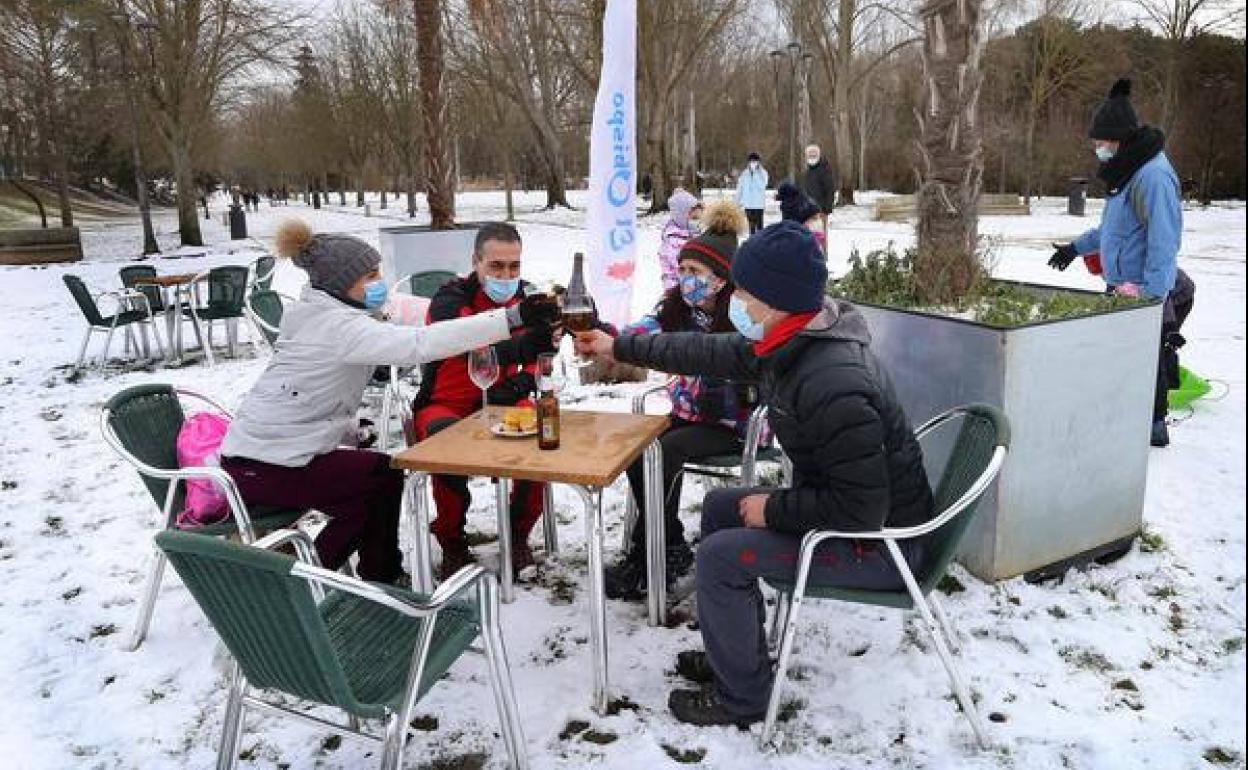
pixel 782 333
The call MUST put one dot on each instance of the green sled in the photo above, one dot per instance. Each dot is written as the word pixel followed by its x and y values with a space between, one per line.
pixel 1191 387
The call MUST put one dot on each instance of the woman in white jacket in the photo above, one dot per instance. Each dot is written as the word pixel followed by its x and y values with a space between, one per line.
pixel 284 449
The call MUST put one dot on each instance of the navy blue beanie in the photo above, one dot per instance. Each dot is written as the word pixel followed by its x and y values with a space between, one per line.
pixel 783 266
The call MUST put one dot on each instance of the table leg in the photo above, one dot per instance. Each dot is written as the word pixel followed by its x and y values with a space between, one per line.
pixel 171 318
pixel 597 596
pixel 656 536
pixel 177 311
pixel 550 528
pixel 419 557
pixel 506 578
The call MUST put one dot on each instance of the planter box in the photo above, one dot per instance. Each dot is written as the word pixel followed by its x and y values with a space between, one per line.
pixel 407 249
pixel 1079 395
pixel 38 245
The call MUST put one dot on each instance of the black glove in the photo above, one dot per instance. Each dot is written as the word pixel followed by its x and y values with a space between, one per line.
pixel 512 390
pixel 1063 255
pixel 538 309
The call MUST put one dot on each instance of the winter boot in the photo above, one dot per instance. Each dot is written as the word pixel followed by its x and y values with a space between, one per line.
pixel 704 707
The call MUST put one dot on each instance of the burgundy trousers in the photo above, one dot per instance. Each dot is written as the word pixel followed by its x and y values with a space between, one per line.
pixel 357 489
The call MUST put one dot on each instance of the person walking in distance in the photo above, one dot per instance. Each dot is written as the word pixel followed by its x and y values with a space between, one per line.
pixel 1140 232
pixel 752 191
pixel 820 183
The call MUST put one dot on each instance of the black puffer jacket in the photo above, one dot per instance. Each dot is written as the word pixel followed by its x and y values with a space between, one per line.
pixel 857 466
pixel 820 183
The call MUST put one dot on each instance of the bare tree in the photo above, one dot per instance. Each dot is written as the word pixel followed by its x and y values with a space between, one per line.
pixel 439 170
pixel 36 36
pixel 839 30
pixel 395 47
pixel 950 166
pixel 196 51
pixel 1180 21
pixel 1056 60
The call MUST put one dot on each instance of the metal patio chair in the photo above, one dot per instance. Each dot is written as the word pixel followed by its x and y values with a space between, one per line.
pixel 398 392
pixel 741 469
pixel 227 294
pixel 305 632
pixel 265 309
pixel 260 274
pixel 141 424
pixel 979 451
pixel 132 308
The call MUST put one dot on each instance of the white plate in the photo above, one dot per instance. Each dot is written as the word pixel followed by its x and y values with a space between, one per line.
pixel 498 430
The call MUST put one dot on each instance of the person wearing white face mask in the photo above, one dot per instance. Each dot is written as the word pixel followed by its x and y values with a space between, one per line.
pixel 284 447
pixel 752 191
pixel 1140 233
pixel 856 463
pixel 447 393
pixel 709 415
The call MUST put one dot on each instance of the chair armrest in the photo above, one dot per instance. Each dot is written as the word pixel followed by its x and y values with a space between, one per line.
pixel 120 296
pixel 639 400
pixel 233 498
pixel 394 598
pixel 305 551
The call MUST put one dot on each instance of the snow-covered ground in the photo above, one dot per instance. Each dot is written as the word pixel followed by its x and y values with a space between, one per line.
pixel 1140 664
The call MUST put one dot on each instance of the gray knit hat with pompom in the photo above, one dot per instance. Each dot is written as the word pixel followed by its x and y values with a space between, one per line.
pixel 333 262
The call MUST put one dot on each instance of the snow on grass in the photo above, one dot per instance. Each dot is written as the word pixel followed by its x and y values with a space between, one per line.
pixel 1139 664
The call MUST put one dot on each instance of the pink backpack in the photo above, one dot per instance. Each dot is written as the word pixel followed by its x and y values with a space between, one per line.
pixel 199 444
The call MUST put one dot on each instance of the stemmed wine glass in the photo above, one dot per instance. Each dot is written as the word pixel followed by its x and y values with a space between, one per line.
pixel 550 373
pixel 483 370
pixel 578 316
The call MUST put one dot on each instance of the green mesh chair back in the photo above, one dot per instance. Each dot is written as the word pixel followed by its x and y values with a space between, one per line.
pixel 131 273
pixel 146 419
pixel 267 618
pixel 983 429
pixel 266 306
pixel 227 291
pixel 426 284
pixel 82 295
pixel 347 651
pixel 262 270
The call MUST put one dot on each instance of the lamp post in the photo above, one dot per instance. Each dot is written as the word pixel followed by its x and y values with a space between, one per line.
pixel 796 57
pixel 128 75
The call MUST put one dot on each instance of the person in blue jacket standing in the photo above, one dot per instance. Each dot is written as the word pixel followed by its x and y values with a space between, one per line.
pixel 752 191
pixel 1140 232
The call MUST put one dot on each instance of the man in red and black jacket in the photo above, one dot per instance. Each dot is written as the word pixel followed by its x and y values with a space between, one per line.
pixel 447 394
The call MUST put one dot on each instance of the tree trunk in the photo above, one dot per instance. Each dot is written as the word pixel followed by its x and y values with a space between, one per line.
pixel 950 163
pixel 841 109
pixel 184 177
pixel 439 171
pixel 508 182
pixel 1029 153
pixel 359 191
pixel 556 171
pixel 62 189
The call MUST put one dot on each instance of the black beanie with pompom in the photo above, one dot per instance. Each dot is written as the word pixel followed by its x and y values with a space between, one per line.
pixel 1115 119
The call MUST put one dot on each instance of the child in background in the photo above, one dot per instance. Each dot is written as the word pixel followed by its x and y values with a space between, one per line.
pixel 796 206
pixel 685 210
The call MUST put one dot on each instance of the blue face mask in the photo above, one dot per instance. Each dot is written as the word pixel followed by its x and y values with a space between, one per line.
pixel 501 289
pixel 375 294
pixel 1104 154
pixel 695 289
pixel 749 328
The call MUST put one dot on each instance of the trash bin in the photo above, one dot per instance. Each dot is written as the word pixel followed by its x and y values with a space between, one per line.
pixel 238 223
pixel 1077 197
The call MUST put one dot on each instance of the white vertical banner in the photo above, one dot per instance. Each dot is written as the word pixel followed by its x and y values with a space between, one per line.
pixel 612 216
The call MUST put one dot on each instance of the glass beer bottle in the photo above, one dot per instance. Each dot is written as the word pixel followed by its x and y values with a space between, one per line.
pixel 578 306
pixel 547 421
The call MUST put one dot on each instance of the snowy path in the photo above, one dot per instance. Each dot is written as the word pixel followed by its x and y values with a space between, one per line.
pixel 1137 665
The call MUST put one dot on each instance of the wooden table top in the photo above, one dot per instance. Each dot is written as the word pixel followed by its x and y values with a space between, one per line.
pixel 594 449
pixel 176 279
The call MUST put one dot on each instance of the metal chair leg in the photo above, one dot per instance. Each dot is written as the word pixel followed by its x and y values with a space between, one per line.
pixel 782 666
pixel 392 745
pixel 231 336
pixel 500 675
pixel 383 422
pixel 506 572
pixel 204 339
pixel 955 676
pixel 946 625
pixel 550 528
pixel 150 591
pixel 778 618
pixel 232 727
pixel 630 523
pixel 108 341
pixel 82 351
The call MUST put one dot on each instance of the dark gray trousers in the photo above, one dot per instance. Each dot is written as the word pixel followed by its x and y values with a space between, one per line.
pixel 731 560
